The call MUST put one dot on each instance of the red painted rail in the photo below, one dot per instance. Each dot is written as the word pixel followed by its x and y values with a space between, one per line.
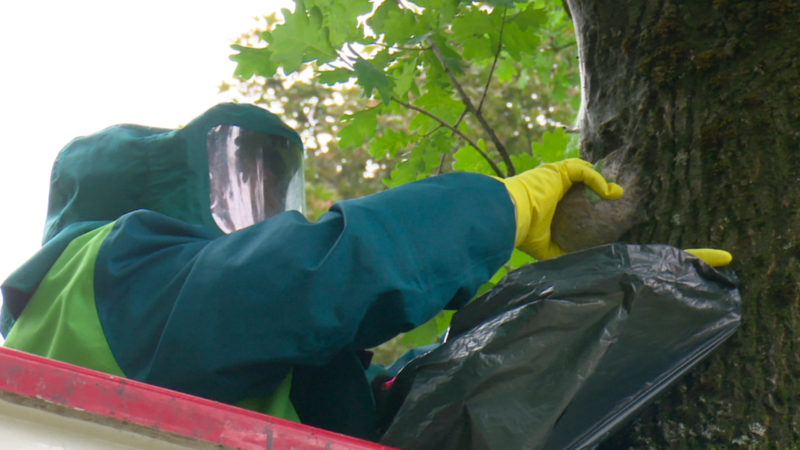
pixel 162 409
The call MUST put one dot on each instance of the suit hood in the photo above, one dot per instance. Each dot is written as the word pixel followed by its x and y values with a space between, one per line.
pixel 98 178
pixel 128 167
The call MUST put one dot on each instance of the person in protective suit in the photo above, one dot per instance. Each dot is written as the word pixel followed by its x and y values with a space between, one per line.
pixel 178 258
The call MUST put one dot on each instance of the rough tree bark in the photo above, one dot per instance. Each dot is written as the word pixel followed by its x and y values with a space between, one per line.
pixel 704 97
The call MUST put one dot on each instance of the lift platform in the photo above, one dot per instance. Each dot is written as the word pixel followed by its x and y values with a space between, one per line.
pixel 51 404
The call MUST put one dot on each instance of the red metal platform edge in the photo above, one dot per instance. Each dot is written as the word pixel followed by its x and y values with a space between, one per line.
pixel 163 409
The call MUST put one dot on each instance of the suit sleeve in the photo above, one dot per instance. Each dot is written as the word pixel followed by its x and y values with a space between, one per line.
pixel 228 316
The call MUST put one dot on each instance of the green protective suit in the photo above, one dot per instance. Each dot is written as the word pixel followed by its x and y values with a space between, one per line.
pixel 134 277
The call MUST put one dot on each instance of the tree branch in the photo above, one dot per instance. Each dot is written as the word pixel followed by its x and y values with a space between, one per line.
pixel 494 62
pixel 444 155
pixel 440 169
pixel 555 48
pixel 501 149
pixel 461 117
pixel 455 130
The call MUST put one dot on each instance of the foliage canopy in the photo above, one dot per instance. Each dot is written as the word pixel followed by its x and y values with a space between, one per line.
pixel 402 90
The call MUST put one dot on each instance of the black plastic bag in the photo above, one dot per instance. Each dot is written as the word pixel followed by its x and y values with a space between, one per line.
pixel 561 352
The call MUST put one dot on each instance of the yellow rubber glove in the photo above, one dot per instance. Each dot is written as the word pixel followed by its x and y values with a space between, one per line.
pixel 714 257
pixel 536 193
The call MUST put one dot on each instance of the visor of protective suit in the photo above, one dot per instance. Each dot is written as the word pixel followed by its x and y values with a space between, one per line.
pixel 253 176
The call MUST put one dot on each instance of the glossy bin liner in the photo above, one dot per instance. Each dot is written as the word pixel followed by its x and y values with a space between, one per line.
pixel 563 351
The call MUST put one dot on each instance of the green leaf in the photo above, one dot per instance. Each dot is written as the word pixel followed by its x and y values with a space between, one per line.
pixel 508 3
pixel 300 38
pixel 425 334
pixel 383 59
pixel 429 332
pixel 475 22
pixel 543 62
pixel 361 125
pixel 506 70
pixel 253 61
pixel 470 160
pixel 435 76
pixel 553 146
pixel 524 161
pixel 438 14
pixel 423 159
pixel 518 41
pixel 404 75
pixel 404 172
pixel 397 25
pixel 530 18
pixel 389 143
pixel 341 19
pixel 370 77
pixel 450 58
pixel 573 146
pixel 431 149
pixel 438 102
pixel 331 77
pixel 478 48
pixel 412 169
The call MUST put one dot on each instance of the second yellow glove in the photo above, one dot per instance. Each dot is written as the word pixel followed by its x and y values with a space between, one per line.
pixel 713 256
pixel 536 193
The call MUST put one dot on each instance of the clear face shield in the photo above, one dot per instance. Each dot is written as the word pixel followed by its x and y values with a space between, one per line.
pixel 252 176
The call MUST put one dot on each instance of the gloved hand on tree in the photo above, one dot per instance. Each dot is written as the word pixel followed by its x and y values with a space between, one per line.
pixel 536 194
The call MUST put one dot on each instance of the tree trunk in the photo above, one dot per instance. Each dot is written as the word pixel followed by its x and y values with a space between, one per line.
pixel 704 97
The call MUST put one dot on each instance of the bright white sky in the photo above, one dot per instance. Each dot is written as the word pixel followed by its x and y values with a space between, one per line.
pixel 71 68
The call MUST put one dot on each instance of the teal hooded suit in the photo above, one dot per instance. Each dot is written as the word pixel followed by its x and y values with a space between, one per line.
pixel 134 277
